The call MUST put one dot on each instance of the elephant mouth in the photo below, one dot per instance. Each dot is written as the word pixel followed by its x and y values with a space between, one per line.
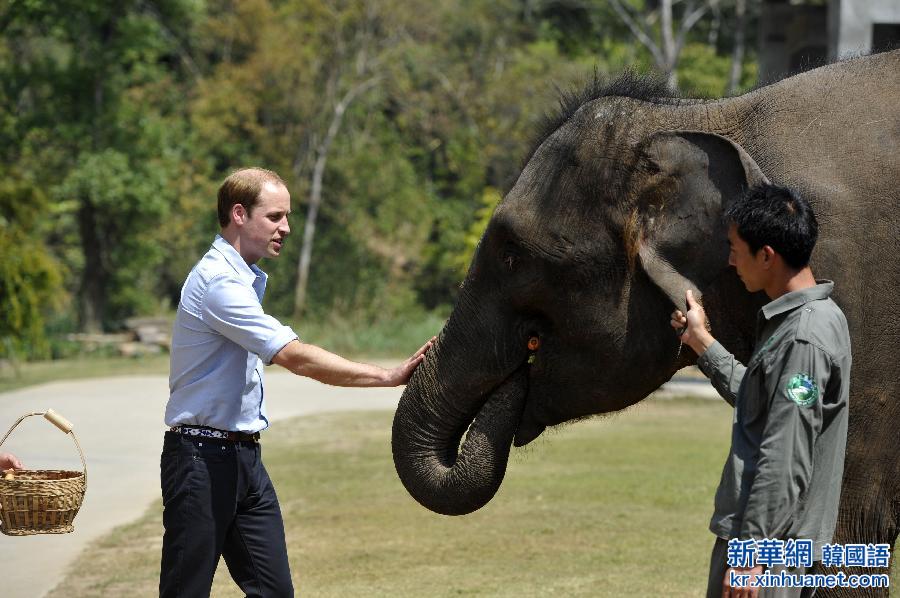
pixel 512 391
pixel 505 404
pixel 529 427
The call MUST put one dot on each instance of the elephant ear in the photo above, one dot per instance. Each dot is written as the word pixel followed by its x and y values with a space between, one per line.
pixel 687 179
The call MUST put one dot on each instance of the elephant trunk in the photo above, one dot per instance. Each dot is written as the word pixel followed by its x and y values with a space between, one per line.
pixel 446 400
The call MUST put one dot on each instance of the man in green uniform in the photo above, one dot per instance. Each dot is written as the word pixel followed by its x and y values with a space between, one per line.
pixel 782 479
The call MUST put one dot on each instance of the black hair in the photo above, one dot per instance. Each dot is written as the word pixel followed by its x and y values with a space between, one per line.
pixel 778 217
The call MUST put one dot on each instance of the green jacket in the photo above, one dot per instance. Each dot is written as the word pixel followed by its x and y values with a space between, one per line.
pixel 782 479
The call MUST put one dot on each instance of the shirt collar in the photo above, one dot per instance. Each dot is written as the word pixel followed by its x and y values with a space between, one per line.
pixel 248 272
pixel 794 299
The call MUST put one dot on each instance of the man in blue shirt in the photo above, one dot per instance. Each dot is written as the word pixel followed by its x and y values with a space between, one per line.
pixel 217 497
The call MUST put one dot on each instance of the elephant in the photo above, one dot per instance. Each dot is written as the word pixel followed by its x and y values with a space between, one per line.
pixel 564 312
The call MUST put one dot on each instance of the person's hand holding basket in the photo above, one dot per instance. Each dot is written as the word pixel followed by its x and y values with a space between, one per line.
pixel 34 501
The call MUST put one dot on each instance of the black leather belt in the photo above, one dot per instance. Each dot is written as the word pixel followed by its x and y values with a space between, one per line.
pixel 207 432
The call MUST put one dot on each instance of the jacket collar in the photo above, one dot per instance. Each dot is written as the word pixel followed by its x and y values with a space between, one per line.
pixel 793 300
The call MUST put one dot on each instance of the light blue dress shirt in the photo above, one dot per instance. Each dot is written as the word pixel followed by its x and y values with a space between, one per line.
pixel 220 342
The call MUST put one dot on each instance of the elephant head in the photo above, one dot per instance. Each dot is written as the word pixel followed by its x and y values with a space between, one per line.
pixel 613 217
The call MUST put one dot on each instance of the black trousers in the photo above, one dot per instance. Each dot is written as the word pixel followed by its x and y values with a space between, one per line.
pixel 218 500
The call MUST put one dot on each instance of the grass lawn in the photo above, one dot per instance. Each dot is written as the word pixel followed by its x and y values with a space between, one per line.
pixel 40 372
pixel 388 340
pixel 608 507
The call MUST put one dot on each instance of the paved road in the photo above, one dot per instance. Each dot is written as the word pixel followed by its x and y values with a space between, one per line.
pixel 118 422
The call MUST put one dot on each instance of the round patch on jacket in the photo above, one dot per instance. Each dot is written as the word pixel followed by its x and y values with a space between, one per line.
pixel 802 390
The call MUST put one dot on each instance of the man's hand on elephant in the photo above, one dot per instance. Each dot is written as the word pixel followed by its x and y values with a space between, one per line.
pixel 693 326
pixel 9 461
pixel 401 374
pixel 305 359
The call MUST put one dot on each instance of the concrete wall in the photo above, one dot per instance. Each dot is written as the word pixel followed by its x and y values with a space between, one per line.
pixel 794 36
pixel 850 24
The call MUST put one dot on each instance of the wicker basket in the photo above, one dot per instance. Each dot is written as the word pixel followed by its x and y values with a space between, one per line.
pixel 42 501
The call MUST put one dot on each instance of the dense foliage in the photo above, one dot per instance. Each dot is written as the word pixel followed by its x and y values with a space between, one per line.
pixel 398 120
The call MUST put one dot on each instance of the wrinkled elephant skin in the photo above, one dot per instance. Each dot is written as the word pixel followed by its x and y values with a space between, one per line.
pixel 617 211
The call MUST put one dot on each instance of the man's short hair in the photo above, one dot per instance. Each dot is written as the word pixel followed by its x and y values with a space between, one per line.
pixel 778 217
pixel 243 187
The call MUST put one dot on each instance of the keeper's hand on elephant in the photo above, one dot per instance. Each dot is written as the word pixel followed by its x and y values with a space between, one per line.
pixel 693 326
pixel 748 590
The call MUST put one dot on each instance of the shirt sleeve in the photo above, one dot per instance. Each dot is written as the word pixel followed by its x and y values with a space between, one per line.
pixel 232 309
pixel 724 371
pixel 793 423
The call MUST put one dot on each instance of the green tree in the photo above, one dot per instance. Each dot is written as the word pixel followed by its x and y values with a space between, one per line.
pixel 30 278
pixel 661 30
pixel 92 94
pixel 118 205
pixel 389 120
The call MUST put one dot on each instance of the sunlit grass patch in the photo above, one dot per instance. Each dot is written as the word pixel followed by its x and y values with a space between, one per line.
pixel 614 506
pixel 39 372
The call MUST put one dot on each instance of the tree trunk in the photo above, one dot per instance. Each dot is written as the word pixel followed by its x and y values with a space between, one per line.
pixel 665 54
pixel 93 278
pixel 315 200
pixel 309 233
pixel 737 56
pixel 668 42
pixel 315 194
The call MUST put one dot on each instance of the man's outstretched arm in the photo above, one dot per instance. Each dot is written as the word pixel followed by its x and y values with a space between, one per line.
pixel 314 362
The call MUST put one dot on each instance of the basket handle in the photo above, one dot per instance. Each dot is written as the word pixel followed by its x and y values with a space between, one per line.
pixel 60 422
